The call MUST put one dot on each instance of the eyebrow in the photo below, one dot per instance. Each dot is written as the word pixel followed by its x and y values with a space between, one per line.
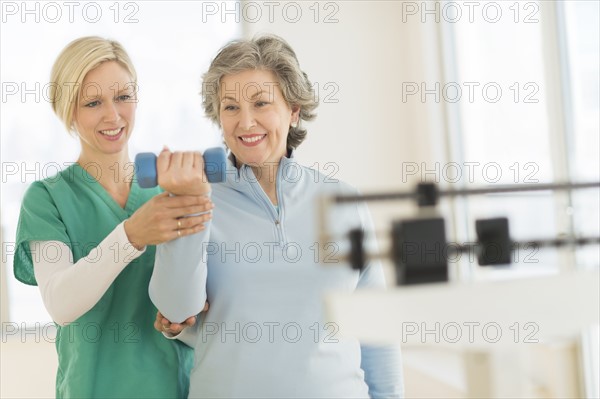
pixel 128 87
pixel 88 99
pixel 257 94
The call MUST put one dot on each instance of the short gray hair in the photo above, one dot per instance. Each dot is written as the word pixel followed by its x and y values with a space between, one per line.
pixel 267 52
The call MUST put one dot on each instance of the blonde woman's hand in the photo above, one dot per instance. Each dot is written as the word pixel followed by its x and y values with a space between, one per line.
pixel 164 218
pixel 162 324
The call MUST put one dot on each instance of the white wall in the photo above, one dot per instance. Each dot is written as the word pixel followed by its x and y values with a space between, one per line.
pixel 367 54
pixel 3 286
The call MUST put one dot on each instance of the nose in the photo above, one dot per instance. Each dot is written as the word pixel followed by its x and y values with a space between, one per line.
pixel 111 112
pixel 247 120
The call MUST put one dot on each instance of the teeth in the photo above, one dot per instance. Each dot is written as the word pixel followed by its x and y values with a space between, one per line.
pixel 111 132
pixel 251 139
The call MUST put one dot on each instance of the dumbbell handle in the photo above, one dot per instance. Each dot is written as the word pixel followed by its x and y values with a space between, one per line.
pixel 214 167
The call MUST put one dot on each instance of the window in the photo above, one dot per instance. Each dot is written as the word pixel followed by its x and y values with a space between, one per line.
pixel 582 44
pixel 532 116
pixel 497 99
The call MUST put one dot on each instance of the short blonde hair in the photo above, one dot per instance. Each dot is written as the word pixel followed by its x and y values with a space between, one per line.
pixel 271 53
pixel 73 64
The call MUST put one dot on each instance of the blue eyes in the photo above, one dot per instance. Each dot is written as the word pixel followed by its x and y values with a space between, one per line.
pixel 93 104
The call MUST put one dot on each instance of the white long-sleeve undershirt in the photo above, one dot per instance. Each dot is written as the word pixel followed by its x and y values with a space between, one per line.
pixel 70 290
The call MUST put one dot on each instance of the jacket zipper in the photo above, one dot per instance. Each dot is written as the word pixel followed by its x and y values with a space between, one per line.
pixel 277 218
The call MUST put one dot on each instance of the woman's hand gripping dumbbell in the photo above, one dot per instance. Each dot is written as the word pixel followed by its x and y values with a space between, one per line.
pixel 181 173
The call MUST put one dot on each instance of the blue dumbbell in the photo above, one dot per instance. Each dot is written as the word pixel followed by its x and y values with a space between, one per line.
pixel 214 167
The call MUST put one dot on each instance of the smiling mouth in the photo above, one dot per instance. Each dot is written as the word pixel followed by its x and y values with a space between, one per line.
pixel 111 133
pixel 252 139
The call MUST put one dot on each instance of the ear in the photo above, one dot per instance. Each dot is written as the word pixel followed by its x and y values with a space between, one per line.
pixel 295 113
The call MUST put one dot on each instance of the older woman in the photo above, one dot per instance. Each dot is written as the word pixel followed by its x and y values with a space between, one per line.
pixel 85 238
pixel 258 261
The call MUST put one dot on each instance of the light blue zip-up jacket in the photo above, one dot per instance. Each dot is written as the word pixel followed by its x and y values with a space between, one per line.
pixel 257 265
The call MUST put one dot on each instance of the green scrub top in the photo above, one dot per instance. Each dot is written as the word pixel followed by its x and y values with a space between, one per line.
pixel 112 350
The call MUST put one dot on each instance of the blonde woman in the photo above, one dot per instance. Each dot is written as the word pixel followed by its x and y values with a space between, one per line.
pixel 86 237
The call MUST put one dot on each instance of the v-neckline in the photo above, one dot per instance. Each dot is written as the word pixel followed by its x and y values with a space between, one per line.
pixel 121 212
